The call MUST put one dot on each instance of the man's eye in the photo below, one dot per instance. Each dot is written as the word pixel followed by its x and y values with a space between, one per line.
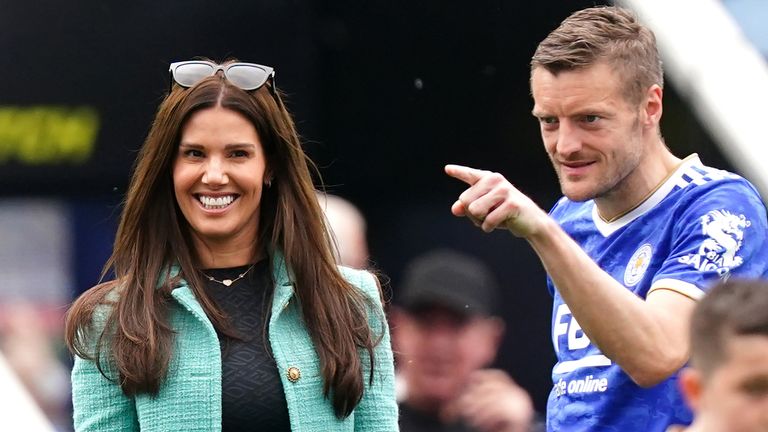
pixel 548 120
pixel 757 388
pixel 591 118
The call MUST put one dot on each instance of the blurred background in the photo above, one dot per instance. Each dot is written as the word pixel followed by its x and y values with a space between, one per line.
pixel 385 93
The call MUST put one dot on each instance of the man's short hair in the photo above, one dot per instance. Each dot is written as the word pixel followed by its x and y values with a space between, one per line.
pixel 732 308
pixel 604 34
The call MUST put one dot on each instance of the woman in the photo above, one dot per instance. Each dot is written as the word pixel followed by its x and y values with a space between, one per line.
pixel 227 310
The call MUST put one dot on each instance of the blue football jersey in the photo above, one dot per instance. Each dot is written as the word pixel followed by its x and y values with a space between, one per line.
pixel 701 224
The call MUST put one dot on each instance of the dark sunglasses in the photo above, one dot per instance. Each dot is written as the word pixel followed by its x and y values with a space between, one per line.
pixel 247 76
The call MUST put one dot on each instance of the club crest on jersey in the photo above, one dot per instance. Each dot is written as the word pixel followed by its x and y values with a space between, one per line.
pixel 717 252
pixel 637 265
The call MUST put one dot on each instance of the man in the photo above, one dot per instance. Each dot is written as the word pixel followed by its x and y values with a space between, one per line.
pixel 727 383
pixel 348 229
pixel 638 236
pixel 445 335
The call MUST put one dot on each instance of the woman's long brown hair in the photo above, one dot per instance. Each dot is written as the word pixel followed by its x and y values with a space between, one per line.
pixel 134 338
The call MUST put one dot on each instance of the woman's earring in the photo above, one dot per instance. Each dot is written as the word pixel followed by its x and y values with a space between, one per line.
pixel 268 183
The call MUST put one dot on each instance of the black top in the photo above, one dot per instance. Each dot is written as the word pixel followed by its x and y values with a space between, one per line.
pixel 412 420
pixel 252 395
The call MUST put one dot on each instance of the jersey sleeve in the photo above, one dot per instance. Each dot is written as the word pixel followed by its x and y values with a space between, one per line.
pixel 720 231
pixel 556 213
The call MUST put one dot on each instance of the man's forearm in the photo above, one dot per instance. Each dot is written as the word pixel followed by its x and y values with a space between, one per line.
pixel 647 340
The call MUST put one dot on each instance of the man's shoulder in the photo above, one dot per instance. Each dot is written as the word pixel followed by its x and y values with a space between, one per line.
pixel 412 420
pixel 723 191
pixel 705 180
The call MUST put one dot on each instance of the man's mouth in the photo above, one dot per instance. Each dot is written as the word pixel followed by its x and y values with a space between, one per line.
pixel 576 164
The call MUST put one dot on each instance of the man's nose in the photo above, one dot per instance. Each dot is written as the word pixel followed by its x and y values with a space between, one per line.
pixel 568 138
pixel 442 336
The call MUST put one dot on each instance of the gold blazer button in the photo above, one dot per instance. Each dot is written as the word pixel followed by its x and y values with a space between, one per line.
pixel 294 374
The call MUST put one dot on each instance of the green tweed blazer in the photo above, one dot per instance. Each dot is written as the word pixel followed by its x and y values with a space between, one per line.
pixel 190 396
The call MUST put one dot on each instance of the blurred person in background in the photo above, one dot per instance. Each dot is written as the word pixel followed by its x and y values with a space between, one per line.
pixel 348 228
pixel 27 341
pixel 36 253
pixel 726 383
pixel 639 236
pixel 228 311
pixel 446 336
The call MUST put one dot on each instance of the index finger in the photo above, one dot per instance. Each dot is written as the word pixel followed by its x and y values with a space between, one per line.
pixel 466 174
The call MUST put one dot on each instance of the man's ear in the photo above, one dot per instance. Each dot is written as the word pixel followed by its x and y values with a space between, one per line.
pixel 692 385
pixel 395 315
pixel 493 332
pixel 653 107
pixel 401 328
pixel 497 329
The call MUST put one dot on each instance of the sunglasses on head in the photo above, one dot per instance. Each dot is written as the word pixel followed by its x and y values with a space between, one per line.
pixel 247 76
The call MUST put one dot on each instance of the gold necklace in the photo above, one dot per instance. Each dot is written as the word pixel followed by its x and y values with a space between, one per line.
pixel 228 282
